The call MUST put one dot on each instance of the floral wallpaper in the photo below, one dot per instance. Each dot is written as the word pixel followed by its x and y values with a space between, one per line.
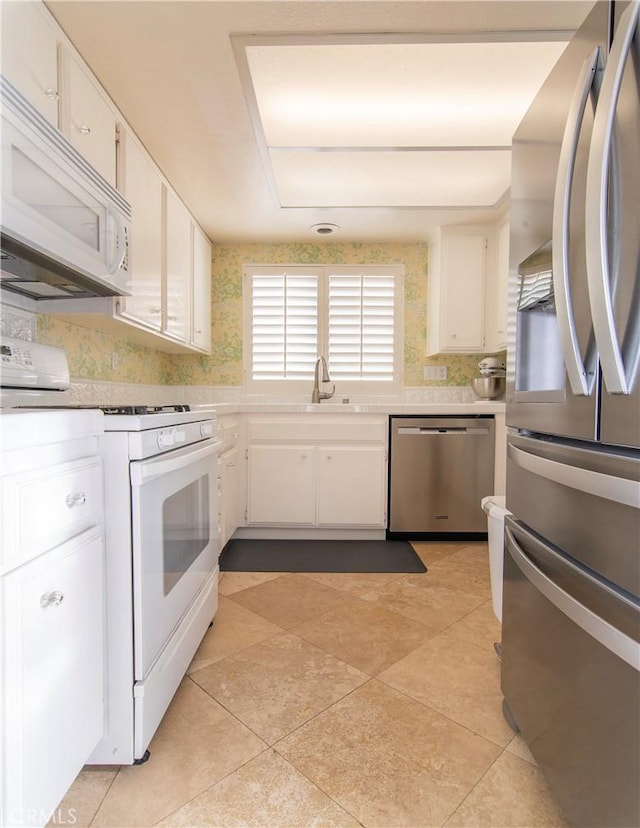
pixel 90 352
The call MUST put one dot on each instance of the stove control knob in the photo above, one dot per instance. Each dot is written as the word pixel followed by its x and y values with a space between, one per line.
pixel 165 439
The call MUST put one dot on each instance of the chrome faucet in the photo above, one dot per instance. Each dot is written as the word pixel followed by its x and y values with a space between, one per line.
pixel 317 394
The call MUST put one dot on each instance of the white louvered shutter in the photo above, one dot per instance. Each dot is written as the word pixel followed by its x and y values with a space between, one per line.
pixel 284 341
pixel 361 326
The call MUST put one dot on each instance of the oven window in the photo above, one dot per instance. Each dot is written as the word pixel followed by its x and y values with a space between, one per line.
pixel 186 529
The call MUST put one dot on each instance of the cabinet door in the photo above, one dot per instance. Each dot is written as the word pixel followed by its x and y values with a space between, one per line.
pixel 178 267
pixel 140 183
pixel 232 491
pixel 53 680
pixel 281 485
pixel 30 55
pixel 463 286
pixel 502 288
pixel 227 494
pixel 351 486
pixel 201 304
pixel 89 122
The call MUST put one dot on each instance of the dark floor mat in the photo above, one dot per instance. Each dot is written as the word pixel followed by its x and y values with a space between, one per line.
pixel 251 555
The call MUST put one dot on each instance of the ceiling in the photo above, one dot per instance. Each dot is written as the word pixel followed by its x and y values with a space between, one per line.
pixel 383 118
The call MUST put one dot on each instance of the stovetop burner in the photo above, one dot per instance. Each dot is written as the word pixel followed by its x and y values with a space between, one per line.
pixel 143 409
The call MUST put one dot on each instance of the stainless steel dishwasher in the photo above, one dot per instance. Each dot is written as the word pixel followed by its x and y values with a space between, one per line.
pixel 440 469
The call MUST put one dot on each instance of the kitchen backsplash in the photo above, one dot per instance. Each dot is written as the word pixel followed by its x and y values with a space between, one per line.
pixel 90 353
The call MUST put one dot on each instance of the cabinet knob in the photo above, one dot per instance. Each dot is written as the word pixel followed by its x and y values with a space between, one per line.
pixel 198 330
pixel 52 93
pixel 51 599
pixel 172 318
pixel 77 499
pixel 84 129
pixel 231 465
pixel 155 310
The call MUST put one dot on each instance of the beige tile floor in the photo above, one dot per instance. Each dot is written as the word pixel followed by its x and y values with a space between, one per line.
pixel 336 700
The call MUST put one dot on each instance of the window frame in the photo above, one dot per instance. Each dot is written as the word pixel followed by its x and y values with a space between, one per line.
pixel 344 388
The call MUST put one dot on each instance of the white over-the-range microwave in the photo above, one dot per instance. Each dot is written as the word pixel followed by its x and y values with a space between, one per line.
pixel 65 231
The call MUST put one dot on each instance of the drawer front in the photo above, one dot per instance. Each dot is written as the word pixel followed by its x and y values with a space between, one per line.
pixel 349 429
pixel 41 509
pixel 228 432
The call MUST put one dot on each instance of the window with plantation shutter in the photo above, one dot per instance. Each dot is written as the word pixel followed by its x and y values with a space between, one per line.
pixel 361 326
pixel 284 314
pixel 349 314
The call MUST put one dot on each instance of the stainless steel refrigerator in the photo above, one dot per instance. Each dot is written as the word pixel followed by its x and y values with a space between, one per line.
pixel 571 607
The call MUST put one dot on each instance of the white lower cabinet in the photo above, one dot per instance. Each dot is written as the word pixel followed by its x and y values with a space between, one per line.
pixel 230 488
pixel 53 675
pixel 351 486
pixel 231 494
pixel 52 608
pixel 282 485
pixel 318 471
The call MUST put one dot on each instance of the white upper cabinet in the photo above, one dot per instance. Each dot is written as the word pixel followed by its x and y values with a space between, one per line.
pixel 42 64
pixel 170 303
pixel 497 297
pixel 201 297
pixel 87 119
pixel 457 277
pixel 467 290
pixel 141 184
pixel 30 54
pixel 178 267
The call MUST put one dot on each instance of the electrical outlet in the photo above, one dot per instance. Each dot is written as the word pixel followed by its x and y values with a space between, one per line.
pixel 435 372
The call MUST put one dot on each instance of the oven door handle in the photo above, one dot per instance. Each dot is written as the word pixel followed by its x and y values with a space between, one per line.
pixel 144 470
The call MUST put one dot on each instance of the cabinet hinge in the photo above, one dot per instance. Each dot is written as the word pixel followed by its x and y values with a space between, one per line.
pixel 246 454
pixel 246 515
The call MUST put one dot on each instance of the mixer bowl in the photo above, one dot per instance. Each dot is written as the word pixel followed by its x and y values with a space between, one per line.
pixel 488 388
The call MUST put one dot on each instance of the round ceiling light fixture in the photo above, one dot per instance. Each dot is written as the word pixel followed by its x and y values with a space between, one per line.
pixel 324 228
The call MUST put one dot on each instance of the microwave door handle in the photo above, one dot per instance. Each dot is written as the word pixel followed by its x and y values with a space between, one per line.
pixel 597 248
pixel 116 222
pixel 576 371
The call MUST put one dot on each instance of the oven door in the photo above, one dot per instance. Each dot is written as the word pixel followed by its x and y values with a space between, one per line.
pixel 175 542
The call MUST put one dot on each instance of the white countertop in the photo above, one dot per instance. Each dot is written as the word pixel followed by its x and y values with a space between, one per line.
pixel 433 409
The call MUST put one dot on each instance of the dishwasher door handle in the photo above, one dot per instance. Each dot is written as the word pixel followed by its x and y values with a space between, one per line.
pixel 421 430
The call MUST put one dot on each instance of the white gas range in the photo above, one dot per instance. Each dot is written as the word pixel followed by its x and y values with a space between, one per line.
pixel 162 552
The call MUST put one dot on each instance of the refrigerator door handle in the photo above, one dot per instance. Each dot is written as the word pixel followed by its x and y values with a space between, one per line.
pixel 576 371
pixel 597 248
pixel 613 639
pixel 618 489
